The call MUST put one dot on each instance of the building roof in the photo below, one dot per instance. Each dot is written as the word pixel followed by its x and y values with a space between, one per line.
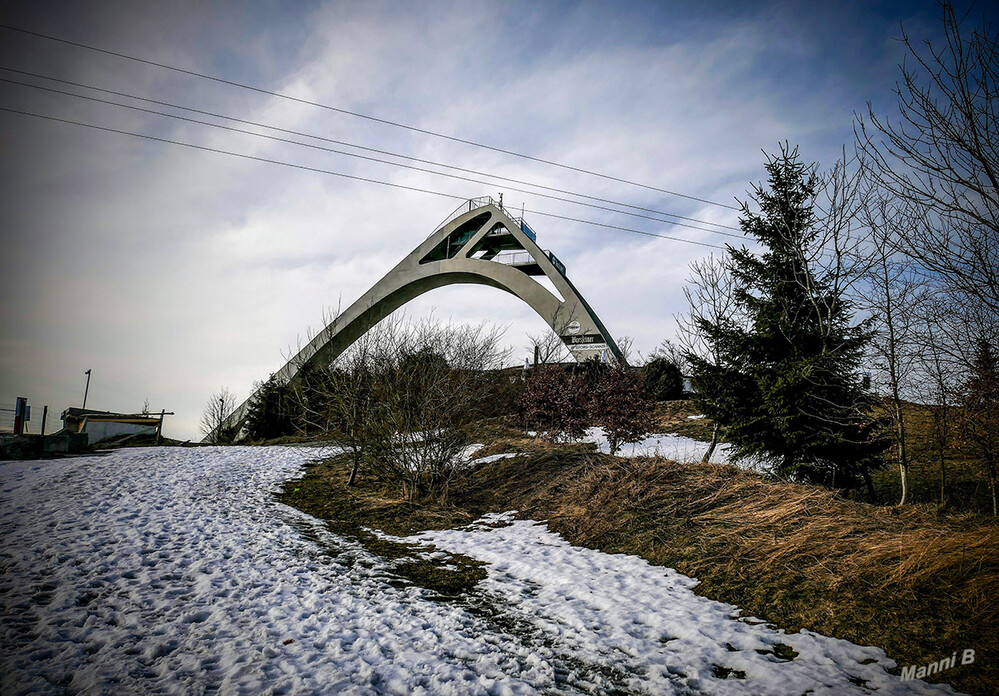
pixel 78 414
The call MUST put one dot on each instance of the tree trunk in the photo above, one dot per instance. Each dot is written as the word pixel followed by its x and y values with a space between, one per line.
pixel 870 485
pixel 992 483
pixel 903 454
pixel 353 473
pixel 903 457
pixel 940 424
pixel 711 447
pixel 943 482
pixel 941 446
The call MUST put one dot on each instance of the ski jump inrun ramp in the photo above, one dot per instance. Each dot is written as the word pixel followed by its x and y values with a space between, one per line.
pixel 482 243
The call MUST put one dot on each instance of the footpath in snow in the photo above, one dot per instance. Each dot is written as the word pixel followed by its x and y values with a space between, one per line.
pixel 174 571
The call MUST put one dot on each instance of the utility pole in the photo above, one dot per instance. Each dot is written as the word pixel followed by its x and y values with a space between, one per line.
pixel 85 391
pixel 45 414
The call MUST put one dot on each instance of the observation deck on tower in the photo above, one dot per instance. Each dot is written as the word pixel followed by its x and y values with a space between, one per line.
pixel 499 243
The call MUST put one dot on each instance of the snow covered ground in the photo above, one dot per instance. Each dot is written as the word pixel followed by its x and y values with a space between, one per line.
pixel 173 571
pixel 676 447
pixel 668 446
pixel 495 458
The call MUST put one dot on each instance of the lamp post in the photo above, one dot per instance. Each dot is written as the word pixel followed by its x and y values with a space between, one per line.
pixel 87 373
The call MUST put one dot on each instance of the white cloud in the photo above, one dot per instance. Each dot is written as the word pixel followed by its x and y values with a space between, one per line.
pixel 171 272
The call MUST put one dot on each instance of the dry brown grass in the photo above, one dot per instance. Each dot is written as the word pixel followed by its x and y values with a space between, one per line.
pixel 886 546
pixel 673 417
pixel 967 485
pixel 913 581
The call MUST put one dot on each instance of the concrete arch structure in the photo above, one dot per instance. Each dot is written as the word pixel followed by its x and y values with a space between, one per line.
pixel 478 243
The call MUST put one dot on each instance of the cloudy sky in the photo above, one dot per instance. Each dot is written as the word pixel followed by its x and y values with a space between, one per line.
pixel 171 272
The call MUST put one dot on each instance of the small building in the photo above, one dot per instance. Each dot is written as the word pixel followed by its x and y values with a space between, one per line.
pixel 106 425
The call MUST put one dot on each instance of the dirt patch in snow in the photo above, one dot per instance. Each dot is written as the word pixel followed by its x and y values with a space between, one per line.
pixel 362 512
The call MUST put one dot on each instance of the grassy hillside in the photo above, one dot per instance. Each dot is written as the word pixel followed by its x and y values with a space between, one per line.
pixel 918 583
pixel 967 483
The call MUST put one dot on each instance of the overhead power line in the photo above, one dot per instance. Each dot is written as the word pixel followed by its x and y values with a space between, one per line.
pixel 357 114
pixel 334 173
pixel 623 229
pixel 331 140
pixel 397 164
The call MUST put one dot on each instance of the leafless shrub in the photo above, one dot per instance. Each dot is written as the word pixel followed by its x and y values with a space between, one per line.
pixel 620 406
pixel 549 347
pixel 399 401
pixel 554 403
pixel 429 385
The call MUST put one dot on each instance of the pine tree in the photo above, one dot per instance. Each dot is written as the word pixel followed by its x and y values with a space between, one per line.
pixel 270 411
pixel 787 388
pixel 980 425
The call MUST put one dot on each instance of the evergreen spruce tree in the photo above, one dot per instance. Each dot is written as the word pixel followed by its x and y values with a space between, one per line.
pixel 787 388
pixel 270 411
pixel 663 379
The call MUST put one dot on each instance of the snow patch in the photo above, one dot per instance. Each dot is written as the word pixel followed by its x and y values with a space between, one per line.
pixel 644 628
pixel 666 445
pixel 496 457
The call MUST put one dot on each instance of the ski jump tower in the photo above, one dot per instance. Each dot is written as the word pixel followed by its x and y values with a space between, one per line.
pixel 480 242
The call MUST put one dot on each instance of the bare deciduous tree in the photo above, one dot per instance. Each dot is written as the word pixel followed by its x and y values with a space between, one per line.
pixel 399 400
pixel 938 391
pixel 954 325
pixel 667 350
pixel 940 158
pixel 710 296
pixel 625 344
pixel 214 421
pixel 549 347
pixel 337 401
pixel 893 296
